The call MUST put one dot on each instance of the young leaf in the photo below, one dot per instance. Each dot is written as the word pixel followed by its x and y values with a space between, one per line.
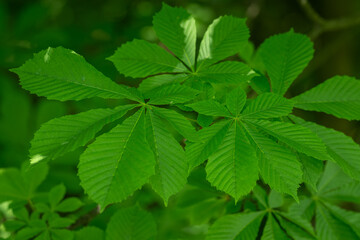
pixel 344 151
pixel 65 134
pixel 236 226
pixel 228 72
pixel 278 165
pixel 210 140
pixel 268 105
pixel 296 136
pixel 210 108
pixel 224 38
pixel 69 205
pixel 176 29
pixel 21 185
pixel 338 96
pixel 62 74
pixel 285 56
pixel 56 194
pixel 171 94
pixel 140 58
pixel 118 162
pixel 171 168
pixel 131 224
pixel 235 101
pixel 233 168
pixel 178 122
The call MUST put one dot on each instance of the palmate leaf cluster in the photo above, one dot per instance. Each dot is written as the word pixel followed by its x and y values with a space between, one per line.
pixel 238 140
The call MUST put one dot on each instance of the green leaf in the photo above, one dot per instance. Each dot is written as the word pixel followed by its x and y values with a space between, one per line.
pixel 65 134
pixel 293 230
pixel 178 122
pixel 312 169
pixel 275 199
pixel 56 194
pixel 61 234
pixel 176 28
pixel 210 108
pixel 260 84
pixel 171 168
pixel 233 168
pixel 159 80
pixel 228 72
pixel 278 165
pixel 236 226
pixel 171 94
pixel 118 162
pixel 272 230
pixel 210 140
pixel 140 58
pixel 224 38
pixel 304 209
pixel 235 101
pixel 89 233
pixel 69 205
pixel 204 120
pixel 261 196
pixel 343 150
pixel 21 185
pixel 131 224
pixel 352 219
pixel 296 136
pixel 330 227
pixel 285 56
pixel 62 74
pixel 336 185
pixel 338 96
pixel 268 105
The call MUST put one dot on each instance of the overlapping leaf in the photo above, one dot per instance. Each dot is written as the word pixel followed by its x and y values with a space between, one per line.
pixel 224 37
pixel 140 58
pixel 343 150
pixel 234 167
pixel 171 169
pixel 268 105
pixel 62 135
pixel 118 162
pixel 278 166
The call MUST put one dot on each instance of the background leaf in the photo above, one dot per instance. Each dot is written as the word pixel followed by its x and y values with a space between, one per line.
pixel 131 224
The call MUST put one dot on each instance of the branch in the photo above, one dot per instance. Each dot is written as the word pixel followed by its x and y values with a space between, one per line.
pixel 324 25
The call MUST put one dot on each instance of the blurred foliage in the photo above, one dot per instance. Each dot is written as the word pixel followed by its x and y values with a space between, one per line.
pixel 96 28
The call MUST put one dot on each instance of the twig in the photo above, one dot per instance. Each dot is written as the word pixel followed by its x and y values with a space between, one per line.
pixel 323 25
